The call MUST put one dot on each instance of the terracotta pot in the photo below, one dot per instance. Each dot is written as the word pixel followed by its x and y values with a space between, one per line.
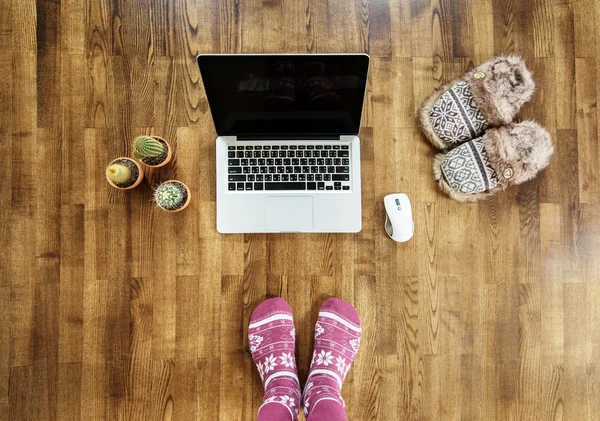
pixel 140 172
pixel 167 159
pixel 187 202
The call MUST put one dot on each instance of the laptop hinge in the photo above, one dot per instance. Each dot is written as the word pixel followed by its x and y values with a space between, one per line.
pixel 289 137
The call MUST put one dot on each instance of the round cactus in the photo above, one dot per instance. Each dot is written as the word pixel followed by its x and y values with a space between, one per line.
pixel 171 195
pixel 118 173
pixel 147 147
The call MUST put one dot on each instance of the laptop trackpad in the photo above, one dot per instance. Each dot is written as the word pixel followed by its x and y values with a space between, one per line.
pixel 289 214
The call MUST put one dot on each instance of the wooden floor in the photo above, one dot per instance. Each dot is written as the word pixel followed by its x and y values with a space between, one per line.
pixel 111 309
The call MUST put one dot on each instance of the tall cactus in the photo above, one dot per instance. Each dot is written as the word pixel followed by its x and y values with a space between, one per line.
pixel 118 173
pixel 147 147
pixel 171 195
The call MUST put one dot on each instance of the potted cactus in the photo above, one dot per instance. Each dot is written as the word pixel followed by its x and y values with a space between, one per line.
pixel 172 196
pixel 153 151
pixel 124 173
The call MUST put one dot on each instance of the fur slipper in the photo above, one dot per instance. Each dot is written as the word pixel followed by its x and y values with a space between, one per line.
pixel 502 157
pixel 490 95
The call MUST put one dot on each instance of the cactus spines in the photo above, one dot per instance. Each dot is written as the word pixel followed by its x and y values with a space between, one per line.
pixel 118 173
pixel 147 147
pixel 171 195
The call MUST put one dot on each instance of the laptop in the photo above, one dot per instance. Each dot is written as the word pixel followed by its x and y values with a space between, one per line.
pixel 288 155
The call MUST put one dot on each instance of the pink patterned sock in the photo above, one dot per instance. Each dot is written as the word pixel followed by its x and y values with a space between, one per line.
pixel 337 337
pixel 272 337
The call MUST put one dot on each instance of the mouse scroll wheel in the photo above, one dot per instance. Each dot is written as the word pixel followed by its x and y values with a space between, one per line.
pixel 388 226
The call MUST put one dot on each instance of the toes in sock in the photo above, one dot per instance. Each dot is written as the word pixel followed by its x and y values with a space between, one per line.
pixel 272 338
pixel 337 337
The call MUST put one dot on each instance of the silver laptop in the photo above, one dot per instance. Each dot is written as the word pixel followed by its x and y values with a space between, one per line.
pixel 288 155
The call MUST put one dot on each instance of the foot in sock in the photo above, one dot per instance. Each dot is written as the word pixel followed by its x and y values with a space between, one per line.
pixel 337 337
pixel 272 342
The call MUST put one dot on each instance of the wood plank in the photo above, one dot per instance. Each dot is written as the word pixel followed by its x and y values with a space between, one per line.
pixel 587 130
pixel 69 391
pixel 4 353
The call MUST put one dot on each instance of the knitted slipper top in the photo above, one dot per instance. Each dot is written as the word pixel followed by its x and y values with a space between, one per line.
pixel 467 168
pixel 455 116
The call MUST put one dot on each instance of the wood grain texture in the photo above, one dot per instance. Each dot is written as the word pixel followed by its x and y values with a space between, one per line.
pixel 113 310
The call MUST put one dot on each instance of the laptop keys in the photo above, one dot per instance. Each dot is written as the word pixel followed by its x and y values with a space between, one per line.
pixel 324 167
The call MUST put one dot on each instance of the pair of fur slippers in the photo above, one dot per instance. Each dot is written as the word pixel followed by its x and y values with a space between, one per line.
pixel 472 118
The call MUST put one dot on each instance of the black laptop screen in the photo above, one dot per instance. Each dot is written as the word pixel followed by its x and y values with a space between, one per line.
pixel 285 95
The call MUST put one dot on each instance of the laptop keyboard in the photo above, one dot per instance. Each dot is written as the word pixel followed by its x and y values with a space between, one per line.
pixel 288 167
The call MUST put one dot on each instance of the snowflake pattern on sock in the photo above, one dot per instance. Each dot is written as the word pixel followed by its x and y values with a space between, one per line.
pixel 337 338
pixel 271 336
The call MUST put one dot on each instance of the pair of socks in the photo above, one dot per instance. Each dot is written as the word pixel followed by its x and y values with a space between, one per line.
pixel 272 342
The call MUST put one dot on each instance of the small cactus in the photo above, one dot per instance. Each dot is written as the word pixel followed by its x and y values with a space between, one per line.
pixel 118 173
pixel 171 195
pixel 147 147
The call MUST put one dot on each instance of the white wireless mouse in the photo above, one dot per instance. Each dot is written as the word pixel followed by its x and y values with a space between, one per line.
pixel 399 223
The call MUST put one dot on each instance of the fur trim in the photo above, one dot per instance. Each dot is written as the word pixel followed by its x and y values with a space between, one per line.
pixel 524 148
pixel 507 85
pixel 425 120
pixel 456 195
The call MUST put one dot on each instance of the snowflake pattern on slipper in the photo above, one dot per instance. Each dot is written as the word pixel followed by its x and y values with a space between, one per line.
pixel 455 116
pixel 467 169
